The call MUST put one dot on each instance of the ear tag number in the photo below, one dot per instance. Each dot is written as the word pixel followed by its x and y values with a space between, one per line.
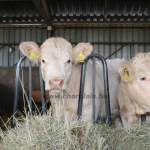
pixel 33 56
pixel 126 75
pixel 80 57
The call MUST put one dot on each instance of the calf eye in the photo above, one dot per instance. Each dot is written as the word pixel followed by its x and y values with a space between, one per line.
pixel 43 61
pixel 143 79
pixel 68 61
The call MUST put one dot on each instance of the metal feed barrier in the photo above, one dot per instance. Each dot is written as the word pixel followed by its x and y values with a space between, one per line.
pixel 81 91
pixel 106 87
pixel 43 97
pixel 80 102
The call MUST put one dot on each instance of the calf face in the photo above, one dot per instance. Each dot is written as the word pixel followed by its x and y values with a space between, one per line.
pixel 136 78
pixel 57 58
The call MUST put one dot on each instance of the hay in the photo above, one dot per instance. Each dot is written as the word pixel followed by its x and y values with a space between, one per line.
pixel 50 133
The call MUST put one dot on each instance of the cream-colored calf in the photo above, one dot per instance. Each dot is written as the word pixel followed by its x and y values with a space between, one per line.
pixel 134 89
pixel 61 73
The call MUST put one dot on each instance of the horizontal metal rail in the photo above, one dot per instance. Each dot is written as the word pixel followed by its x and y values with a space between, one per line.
pixel 105 43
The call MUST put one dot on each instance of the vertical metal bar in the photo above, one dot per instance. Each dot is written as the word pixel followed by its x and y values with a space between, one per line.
pixel 8 45
pixel 81 90
pixel 14 46
pixel 36 33
pixel 30 87
pixel 16 91
pixel 144 40
pixel 42 92
pixel 19 39
pixel 93 90
pixel 106 88
pixel 3 48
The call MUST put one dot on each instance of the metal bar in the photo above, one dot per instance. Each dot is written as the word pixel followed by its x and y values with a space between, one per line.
pixel 100 22
pixel 115 51
pixel 30 87
pixel 73 27
pixel 143 118
pixel 42 92
pixel 16 90
pixel 73 22
pixel 106 87
pixel 23 23
pixel 3 49
pixel 14 43
pixel 107 43
pixel 81 90
pixel 93 90
pixel 13 0
pixel 98 27
pixel 8 47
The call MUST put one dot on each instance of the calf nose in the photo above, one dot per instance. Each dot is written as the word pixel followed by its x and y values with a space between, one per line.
pixel 56 83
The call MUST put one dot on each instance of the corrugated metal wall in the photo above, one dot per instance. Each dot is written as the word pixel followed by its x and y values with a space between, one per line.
pixel 99 37
pixel 12 38
pixel 122 36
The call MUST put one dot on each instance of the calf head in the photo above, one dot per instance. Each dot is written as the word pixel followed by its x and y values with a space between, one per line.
pixel 57 58
pixel 136 77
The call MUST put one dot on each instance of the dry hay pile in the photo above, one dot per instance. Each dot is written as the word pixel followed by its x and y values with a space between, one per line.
pixel 50 133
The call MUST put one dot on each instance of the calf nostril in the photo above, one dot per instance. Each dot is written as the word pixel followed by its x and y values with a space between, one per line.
pixel 61 83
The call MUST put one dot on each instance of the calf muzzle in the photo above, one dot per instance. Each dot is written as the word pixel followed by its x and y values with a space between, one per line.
pixel 56 83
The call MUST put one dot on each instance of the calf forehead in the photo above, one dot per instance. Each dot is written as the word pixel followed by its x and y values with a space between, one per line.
pixel 57 43
pixel 141 59
pixel 56 48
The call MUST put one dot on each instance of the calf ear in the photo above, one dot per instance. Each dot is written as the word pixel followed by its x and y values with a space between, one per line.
pixel 81 51
pixel 31 50
pixel 126 71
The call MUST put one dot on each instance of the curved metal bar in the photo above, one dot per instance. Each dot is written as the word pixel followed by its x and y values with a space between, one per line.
pixel 16 89
pixel 106 87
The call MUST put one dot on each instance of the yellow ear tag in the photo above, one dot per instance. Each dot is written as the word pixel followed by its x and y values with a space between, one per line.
pixel 126 75
pixel 80 57
pixel 33 56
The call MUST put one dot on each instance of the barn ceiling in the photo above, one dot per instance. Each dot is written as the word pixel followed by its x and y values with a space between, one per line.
pixel 56 12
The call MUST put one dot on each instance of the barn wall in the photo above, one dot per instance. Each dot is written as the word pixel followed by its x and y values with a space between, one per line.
pixel 7 81
pixel 12 37
pixel 100 36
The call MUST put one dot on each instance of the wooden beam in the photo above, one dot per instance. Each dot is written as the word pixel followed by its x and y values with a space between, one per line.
pixel 41 10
